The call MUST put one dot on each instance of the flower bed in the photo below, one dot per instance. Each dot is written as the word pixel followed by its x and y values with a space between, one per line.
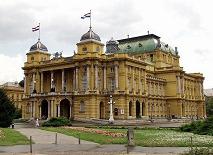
pixel 98 131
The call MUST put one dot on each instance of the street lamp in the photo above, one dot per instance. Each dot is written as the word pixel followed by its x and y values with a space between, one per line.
pixel 111 119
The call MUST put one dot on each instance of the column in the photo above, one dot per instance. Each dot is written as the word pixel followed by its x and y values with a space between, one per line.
pixel 183 85
pixel 25 84
pixel 62 80
pixel 139 80
pixel 33 84
pixel 88 78
pixel 76 78
pixel 104 77
pixel 52 108
pixel 42 80
pixel 178 85
pixel 58 110
pixel 96 77
pixel 73 84
pixel 70 110
pixel 116 76
pixel 51 80
pixel 127 84
pixel 133 79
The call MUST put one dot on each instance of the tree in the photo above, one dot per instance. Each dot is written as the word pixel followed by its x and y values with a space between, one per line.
pixel 209 106
pixel 21 83
pixel 7 110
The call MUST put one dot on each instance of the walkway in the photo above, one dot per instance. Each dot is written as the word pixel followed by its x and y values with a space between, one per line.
pixel 46 137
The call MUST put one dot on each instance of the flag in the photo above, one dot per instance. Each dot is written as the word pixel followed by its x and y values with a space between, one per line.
pixel 36 28
pixel 86 15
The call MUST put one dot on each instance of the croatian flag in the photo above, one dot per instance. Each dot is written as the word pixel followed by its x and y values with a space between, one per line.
pixel 87 15
pixel 36 28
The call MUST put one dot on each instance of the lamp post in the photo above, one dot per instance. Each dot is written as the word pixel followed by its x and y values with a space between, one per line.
pixel 111 119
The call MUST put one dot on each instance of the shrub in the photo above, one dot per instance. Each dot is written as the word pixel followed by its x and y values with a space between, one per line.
pixel 204 127
pixel 56 122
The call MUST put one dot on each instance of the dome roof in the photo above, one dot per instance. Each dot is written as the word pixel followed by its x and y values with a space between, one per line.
pixel 90 35
pixel 38 46
pixel 112 41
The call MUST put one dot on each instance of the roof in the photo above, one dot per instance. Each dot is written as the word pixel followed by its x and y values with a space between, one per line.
pixel 38 46
pixel 90 35
pixel 143 44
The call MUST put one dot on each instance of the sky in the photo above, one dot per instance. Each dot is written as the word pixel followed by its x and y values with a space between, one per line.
pixel 187 24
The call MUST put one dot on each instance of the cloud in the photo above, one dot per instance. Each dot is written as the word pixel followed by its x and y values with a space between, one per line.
pixel 11 68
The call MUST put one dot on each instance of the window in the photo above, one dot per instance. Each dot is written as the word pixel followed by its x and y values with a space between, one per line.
pixel 28 108
pixel 140 45
pixel 82 106
pixel 116 111
pixel 32 58
pixel 112 69
pixel 112 83
pixel 84 49
pixel 128 46
pixel 151 57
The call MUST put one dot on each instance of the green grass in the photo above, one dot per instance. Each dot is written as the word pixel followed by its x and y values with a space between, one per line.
pixel 12 137
pixel 144 137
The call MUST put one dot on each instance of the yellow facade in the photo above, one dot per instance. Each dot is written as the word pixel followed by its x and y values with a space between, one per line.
pixel 14 92
pixel 144 81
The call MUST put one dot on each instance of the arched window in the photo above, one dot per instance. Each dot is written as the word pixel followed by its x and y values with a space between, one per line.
pixel 82 106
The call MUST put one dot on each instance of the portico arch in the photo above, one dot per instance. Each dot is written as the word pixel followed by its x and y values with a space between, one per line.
pixel 44 109
pixel 138 109
pixel 65 108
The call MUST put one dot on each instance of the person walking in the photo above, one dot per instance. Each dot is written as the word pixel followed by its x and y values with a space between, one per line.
pixel 37 123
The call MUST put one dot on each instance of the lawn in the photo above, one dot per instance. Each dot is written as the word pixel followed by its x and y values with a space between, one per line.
pixel 12 137
pixel 143 137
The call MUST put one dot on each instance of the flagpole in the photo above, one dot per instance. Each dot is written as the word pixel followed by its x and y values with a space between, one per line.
pixel 39 33
pixel 90 20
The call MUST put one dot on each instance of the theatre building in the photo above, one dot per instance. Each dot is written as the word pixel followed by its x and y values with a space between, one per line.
pixel 142 74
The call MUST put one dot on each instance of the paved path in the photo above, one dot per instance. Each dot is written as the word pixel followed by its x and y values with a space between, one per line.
pixel 47 137
pixel 89 149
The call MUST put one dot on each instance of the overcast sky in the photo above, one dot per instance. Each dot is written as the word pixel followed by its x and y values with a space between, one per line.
pixel 186 24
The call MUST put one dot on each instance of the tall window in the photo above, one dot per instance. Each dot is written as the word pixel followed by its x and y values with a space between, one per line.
pixel 112 83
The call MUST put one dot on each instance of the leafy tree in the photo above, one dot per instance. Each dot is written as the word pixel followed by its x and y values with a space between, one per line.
pixel 7 110
pixel 21 83
pixel 209 106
